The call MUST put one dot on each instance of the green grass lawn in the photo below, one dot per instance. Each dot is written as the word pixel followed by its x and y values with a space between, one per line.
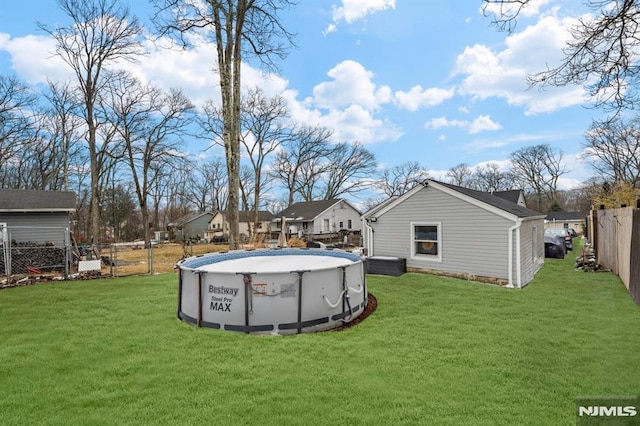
pixel 437 351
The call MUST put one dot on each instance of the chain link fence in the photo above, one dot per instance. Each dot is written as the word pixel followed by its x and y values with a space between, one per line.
pixel 121 259
pixel 35 250
pixel 50 253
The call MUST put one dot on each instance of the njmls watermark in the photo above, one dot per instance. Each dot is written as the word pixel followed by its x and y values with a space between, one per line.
pixel 608 410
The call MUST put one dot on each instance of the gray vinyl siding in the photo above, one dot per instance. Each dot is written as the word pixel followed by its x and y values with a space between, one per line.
pixel 474 240
pixel 37 227
pixel 530 262
pixel 194 228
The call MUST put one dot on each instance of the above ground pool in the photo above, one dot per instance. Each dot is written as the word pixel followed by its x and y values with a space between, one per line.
pixel 281 291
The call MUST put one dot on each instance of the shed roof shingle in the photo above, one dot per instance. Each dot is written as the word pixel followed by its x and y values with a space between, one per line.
pixel 566 216
pixel 307 210
pixel 494 201
pixel 247 216
pixel 23 200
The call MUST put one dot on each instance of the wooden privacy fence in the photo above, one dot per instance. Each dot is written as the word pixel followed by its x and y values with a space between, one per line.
pixel 615 235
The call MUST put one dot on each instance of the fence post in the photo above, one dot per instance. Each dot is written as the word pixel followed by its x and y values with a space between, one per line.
pixel 634 273
pixel 150 258
pixel 111 262
pixel 594 243
pixel 6 247
pixel 67 252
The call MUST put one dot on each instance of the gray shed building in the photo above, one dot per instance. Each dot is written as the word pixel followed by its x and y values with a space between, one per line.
pixel 32 215
pixel 190 227
pixel 443 228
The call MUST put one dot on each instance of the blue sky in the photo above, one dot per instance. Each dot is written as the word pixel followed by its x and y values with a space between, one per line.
pixel 415 80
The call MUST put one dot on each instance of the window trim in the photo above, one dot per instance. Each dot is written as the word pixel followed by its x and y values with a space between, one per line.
pixel 426 257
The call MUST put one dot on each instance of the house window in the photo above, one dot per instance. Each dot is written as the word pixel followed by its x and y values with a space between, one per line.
pixel 341 225
pixel 259 225
pixel 325 225
pixel 349 224
pixel 426 241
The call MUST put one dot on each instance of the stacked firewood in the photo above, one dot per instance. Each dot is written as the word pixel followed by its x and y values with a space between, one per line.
pixel 587 260
pixel 31 257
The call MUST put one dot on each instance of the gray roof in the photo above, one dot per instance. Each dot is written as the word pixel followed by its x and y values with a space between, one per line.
pixel 308 210
pixel 189 217
pixel 561 216
pixel 494 201
pixel 512 195
pixel 247 216
pixel 27 200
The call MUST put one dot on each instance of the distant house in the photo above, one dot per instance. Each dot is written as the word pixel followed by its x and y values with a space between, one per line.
pixel 189 227
pixel 39 216
pixel 450 230
pixel 516 196
pixel 574 220
pixel 319 217
pixel 219 224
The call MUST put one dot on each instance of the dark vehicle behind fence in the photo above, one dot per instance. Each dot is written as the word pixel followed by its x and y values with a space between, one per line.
pixel 563 233
pixel 554 245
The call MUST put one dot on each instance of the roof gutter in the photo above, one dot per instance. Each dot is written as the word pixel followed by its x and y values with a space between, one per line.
pixel 45 210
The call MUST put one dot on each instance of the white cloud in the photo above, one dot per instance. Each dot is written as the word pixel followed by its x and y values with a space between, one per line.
pixel 438 122
pixel 479 124
pixel 351 11
pixel 354 10
pixel 348 103
pixel 418 97
pixel 487 73
pixel 483 144
pixel 533 8
pixel 330 29
pixel 351 84
pixel 355 123
pixel 483 123
pixel 352 118
pixel 33 58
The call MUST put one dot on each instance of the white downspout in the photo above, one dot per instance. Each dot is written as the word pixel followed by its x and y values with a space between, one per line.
pixel 519 253
pixel 369 235
pixel 510 274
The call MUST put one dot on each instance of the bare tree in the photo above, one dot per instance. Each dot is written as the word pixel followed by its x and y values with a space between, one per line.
pixel 613 145
pixel 150 123
pixel 602 54
pixel 460 175
pixel 263 130
pixel 171 190
pixel 238 27
pixel 295 163
pixel 581 198
pixel 209 183
pixel 16 125
pixel 102 32
pixel 539 167
pixel 65 127
pixel 397 180
pixel 490 178
pixel 348 170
